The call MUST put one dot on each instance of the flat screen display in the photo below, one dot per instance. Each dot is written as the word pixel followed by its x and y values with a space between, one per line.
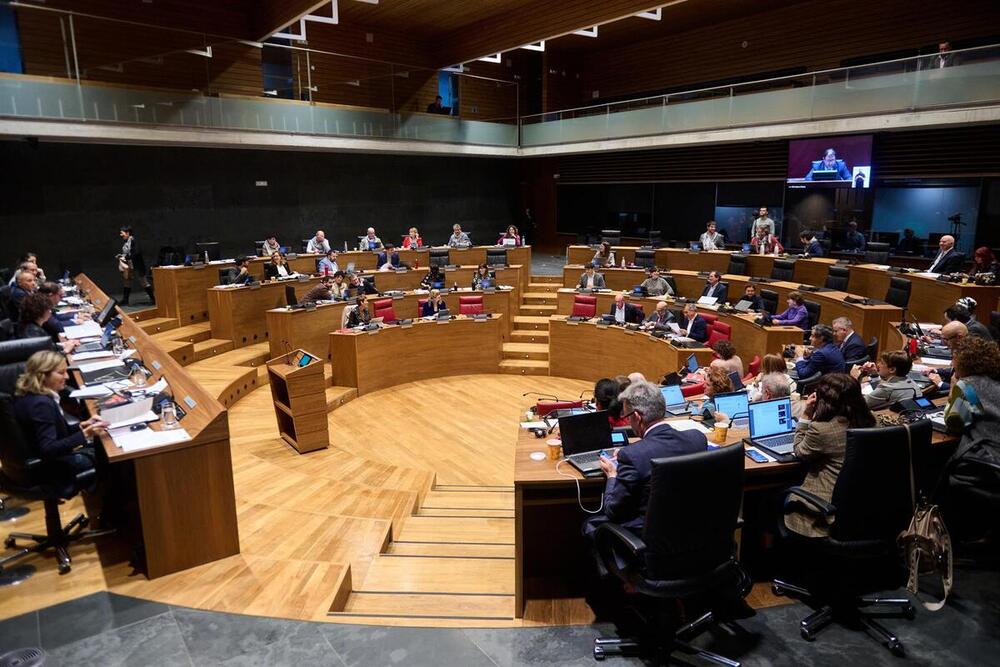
pixel 844 161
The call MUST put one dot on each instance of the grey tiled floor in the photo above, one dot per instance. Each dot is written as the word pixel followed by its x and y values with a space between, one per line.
pixel 108 629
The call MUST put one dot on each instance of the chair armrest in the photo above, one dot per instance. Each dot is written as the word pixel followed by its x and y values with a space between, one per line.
pixel 85 478
pixel 824 507
pixel 613 535
pixel 31 464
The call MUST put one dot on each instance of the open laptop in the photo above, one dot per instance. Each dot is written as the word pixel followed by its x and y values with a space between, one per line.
pixel 742 306
pixel 747 248
pixel 694 246
pixel 583 437
pixel 677 405
pixel 734 404
pixel 104 342
pixel 737 381
pixel 772 427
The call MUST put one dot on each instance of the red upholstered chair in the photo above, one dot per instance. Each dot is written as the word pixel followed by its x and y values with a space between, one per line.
pixel 470 305
pixel 420 307
pixel 383 308
pixel 689 390
pixel 584 305
pixel 720 331
pixel 754 367
pixel 709 317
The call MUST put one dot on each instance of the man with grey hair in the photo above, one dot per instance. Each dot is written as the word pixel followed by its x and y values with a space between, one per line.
pixel 825 356
pixel 459 239
pixel 635 377
pixel 775 385
pixel 626 492
pixel 851 344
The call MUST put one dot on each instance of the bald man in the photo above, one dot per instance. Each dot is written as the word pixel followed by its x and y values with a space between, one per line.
pixel 659 319
pixel 623 312
pixel 951 333
pixel 948 259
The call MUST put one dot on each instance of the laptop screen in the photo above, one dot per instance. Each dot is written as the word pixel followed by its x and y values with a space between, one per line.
pixel 585 432
pixel 770 417
pixel 672 394
pixel 747 248
pixel 734 404
pixel 692 363
pixel 737 381
pixel 695 245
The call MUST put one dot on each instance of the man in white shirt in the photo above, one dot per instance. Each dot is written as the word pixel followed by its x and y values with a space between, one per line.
pixel 318 244
pixel 591 279
pixel 762 221
pixel 948 260
pixel 459 239
pixel 711 239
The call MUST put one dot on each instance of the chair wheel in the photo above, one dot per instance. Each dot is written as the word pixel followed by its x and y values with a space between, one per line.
pixel 9 543
pixel 895 647
pixel 777 590
pixel 909 612
pixel 64 568
pixel 599 653
pixel 807 635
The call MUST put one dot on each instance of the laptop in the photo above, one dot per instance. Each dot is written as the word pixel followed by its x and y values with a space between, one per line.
pixel 734 404
pixel 772 427
pixel 105 341
pixel 677 405
pixel 737 381
pixel 508 242
pixel 747 248
pixel 742 306
pixel 583 437
pixel 695 246
pixel 692 364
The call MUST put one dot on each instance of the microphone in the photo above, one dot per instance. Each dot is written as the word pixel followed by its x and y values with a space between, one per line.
pixel 535 393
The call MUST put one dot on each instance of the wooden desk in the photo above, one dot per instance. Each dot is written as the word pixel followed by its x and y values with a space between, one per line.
pixel 310 329
pixel 395 355
pixel 237 313
pixel 473 256
pixel 929 297
pixel 410 280
pixel 184 492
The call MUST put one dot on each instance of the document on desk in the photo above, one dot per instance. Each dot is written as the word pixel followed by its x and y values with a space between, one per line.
pixel 87 329
pixel 127 414
pixel 131 441
pixel 687 425
pixel 99 365
pixel 536 424
pixel 86 356
pixel 96 391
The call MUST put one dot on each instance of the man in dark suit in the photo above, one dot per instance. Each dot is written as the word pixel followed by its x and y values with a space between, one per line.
pixel 624 312
pixel 852 346
pixel 948 260
pixel 960 312
pixel 659 318
pixel 715 287
pixel 830 163
pixel 693 325
pixel 811 244
pixel 388 260
pixel 750 294
pixel 590 279
pixel 626 493
pixel 825 357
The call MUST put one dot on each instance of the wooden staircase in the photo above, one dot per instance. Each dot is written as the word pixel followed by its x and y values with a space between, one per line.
pixel 527 353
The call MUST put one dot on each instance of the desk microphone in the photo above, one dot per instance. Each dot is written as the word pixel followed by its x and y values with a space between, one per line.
pixel 535 393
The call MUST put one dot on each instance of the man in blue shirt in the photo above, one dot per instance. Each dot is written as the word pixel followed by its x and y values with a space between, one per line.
pixel 811 244
pixel 854 240
pixel 825 356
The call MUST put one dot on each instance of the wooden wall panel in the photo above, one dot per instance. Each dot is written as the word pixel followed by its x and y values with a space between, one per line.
pixel 950 152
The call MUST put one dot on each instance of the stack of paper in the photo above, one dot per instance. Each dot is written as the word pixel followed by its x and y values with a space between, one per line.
pixel 86 330
pixel 147 438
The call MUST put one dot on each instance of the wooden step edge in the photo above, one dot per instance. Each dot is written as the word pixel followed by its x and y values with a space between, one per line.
pixel 343 587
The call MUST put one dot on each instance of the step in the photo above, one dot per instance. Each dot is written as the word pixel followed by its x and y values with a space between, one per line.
pixel 328 374
pixel 191 333
pixel 544 287
pixel 471 499
pixel 448 512
pixel 531 322
pixel 431 574
pixel 524 367
pixel 537 351
pixel 529 336
pixel 540 298
pixel 338 396
pixel 181 351
pixel 411 605
pixel 450 550
pixel 555 278
pixel 211 347
pixel 457 530
pixel 144 314
pixel 537 310
pixel 158 324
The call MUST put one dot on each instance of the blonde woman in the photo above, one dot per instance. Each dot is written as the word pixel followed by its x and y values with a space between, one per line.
pixel 413 240
pixel 433 305
pixel 771 363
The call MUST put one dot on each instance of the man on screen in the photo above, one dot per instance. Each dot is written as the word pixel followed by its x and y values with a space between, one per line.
pixel 830 163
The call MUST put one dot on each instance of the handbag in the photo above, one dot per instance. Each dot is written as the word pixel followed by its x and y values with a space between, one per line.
pixel 925 542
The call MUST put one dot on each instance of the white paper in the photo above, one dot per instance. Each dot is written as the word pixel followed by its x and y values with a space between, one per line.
pixel 707 300
pixel 530 425
pixel 928 274
pixel 688 425
pixel 139 419
pixel 84 330
pixel 937 363
pixel 128 412
pixel 866 388
pixel 91 392
pixel 100 365
pixel 84 356
pixel 132 441
pixel 674 327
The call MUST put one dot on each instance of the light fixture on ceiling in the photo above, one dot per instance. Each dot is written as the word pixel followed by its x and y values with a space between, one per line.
pixel 537 46
pixel 495 58
pixel 586 32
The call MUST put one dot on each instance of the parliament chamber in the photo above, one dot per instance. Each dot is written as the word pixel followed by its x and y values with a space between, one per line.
pixel 467 333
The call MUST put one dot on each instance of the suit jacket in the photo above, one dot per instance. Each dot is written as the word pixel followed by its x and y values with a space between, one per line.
pixel 627 495
pixel 843 173
pixel 428 308
pixel 271 271
pixel 952 262
pixel 598 280
pixel 382 259
pixel 826 359
pixel 633 314
pixel 890 391
pixel 821 446
pixel 357 317
pixel 721 292
pixel 699 330
pixel 854 347
pixel 45 427
pixel 815 249
pixel 659 323
pixel 976 328
pixel 755 301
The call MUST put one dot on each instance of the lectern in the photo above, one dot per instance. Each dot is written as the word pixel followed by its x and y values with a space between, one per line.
pixel 299 394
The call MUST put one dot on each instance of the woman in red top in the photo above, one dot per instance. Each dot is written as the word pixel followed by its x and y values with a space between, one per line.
pixel 413 240
pixel 606 398
pixel 511 234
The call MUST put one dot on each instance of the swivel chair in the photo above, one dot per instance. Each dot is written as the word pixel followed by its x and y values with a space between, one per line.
pixel 784 269
pixel 877 253
pixel 470 305
pixel 737 265
pixel 898 293
pixel 611 236
pixel 439 257
pixel 837 278
pixel 496 257
pixel 584 306
pixel 813 310
pixel 769 298
pixel 645 258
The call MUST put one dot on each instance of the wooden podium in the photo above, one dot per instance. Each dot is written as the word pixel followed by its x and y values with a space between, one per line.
pixel 299 394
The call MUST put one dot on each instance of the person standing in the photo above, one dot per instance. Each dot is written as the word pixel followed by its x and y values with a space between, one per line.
pixel 131 266
pixel 762 221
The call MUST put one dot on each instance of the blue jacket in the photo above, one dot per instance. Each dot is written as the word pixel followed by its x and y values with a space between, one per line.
pixel 815 249
pixel 854 347
pixel 44 426
pixel 699 330
pixel 382 259
pixel 843 173
pixel 627 495
pixel 427 308
pixel 826 359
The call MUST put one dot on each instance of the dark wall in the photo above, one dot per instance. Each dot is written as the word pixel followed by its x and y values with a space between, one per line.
pixel 67 201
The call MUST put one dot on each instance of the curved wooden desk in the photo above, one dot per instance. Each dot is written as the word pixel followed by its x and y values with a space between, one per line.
pixel 394 355
pixel 237 313
pixel 929 297
pixel 409 280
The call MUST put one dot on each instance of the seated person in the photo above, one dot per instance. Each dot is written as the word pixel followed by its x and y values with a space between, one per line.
pixel 795 314
pixel 434 278
pixel 829 162
pixel 509 236
pixel 728 360
pixel 361 315
pixel 655 285
pixel 765 244
pixel 854 241
pixel 771 364
pixel 606 398
pixel 909 244
pixel 26 284
pixel 35 312
pixel 356 285
pixel 892 367
pixel 821 441
pixel 961 313
pixel 483 274
pixel 692 324
pixel 750 294
pixel 604 256
pixel 413 240
pixel 243 275
pixel 328 265
pixel 58 322
pixel 711 239
pixel 947 260
pixel 591 279
pixel 370 242
pixel 320 292
pixel 825 356
pixel 715 287
pixel 388 260
pixel 717 381
pixel 433 305
pixel 952 334
pixel 852 346
pixel 318 244
pixel 28 261
pixel 659 319
pixel 459 239
pixel 47 433
pixel 624 312
pixel 810 244
pixel 338 288
pixel 626 492
pixel 775 385
pixel 277 268
pixel 984 261
pixel 271 246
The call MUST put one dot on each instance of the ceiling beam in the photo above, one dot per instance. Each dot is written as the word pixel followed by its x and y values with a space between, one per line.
pixel 270 16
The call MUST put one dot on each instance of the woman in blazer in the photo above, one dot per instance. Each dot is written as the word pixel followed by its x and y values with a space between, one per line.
pixel 893 367
pixel 433 305
pixel 277 267
pixel 36 309
pixel 820 443
pixel 361 314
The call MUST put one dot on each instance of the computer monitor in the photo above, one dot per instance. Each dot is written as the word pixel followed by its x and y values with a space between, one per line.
pixel 734 404
pixel 672 394
pixel 107 313
pixel 587 432
pixel 212 248
pixel 692 363
pixel 486 283
pixel 770 417
pixel 747 248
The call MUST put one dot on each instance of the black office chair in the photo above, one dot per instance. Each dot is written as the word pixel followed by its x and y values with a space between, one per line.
pixel 769 298
pixel 877 253
pixel 995 324
pixel 258 248
pixel 8 309
pixel 806 386
pixel 290 297
pixel 305 244
pixel 655 238
pixel 670 281
pixel 611 236
pixel 837 278
pixel 813 311
pixel 871 352
pixel 737 265
pixel 496 257
pixel 29 478
pixel 872 503
pixel 439 257
pixel 898 293
pixel 686 557
pixel 784 269
pixel 226 276
pixel 645 258
pixel 827 245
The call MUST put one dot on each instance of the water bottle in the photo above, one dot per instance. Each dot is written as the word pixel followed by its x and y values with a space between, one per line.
pixel 524 240
pixel 345 246
pixel 623 261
